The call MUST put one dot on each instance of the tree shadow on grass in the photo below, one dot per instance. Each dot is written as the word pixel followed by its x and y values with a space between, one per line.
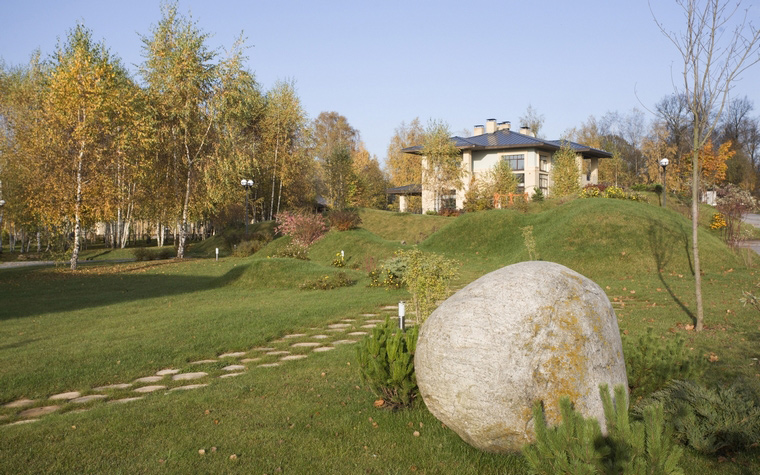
pixel 29 292
pixel 665 242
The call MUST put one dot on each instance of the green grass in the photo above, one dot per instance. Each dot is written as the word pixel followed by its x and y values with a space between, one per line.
pixel 63 330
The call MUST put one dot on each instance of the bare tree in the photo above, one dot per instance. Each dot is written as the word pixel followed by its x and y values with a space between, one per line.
pixel 533 120
pixel 717 46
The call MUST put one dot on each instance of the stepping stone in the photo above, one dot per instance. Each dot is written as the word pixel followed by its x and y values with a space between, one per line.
pixel 278 341
pixel 149 379
pixel 343 342
pixel 233 367
pixel 67 396
pixel 338 325
pixel 367 314
pixel 149 389
pixel 375 321
pixel 23 422
pixel 369 325
pixel 124 400
pixel 112 386
pixel 236 354
pixel 322 349
pixel 320 337
pixel 20 403
pixel 293 357
pixel 85 399
pixel 269 365
pixel 277 353
pixel 295 335
pixel 262 348
pixel 189 386
pixel 389 307
pixel 348 320
pixel 230 375
pixel 357 333
pixel 305 344
pixel 249 360
pixel 186 376
pixel 164 372
pixel 203 361
pixel 336 330
pixel 38 411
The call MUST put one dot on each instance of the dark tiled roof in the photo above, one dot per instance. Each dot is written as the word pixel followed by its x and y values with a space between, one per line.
pixel 405 190
pixel 505 139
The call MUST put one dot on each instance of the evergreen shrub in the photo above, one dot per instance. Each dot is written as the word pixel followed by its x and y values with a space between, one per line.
pixel 386 363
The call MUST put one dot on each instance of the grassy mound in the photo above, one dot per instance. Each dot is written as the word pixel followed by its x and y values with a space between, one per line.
pixel 411 228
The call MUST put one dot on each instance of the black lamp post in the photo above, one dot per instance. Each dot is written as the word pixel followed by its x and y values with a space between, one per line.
pixel 664 164
pixel 247 184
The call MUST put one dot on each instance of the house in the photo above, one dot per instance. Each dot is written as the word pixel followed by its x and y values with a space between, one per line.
pixel 529 157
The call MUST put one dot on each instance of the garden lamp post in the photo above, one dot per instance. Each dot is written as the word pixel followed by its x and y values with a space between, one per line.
pixel 664 164
pixel 247 184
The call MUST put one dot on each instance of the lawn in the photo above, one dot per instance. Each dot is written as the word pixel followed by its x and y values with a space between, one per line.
pixel 106 324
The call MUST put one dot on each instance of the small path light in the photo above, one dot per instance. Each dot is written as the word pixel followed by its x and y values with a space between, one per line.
pixel 247 184
pixel 401 315
pixel 664 164
pixel 217 253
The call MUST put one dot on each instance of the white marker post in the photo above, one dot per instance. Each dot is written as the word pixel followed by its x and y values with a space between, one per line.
pixel 401 315
pixel 217 253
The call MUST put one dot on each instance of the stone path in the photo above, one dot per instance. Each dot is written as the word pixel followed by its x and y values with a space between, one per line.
pixel 198 374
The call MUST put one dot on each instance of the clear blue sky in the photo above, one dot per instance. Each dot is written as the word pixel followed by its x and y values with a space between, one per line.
pixel 383 62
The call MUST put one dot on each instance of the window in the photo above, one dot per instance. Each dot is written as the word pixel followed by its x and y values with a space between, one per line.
pixel 544 163
pixel 516 162
pixel 449 201
pixel 520 182
pixel 543 183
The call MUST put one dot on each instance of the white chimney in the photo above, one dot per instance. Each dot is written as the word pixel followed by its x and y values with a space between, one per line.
pixel 504 126
pixel 490 126
pixel 478 130
pixel 525 130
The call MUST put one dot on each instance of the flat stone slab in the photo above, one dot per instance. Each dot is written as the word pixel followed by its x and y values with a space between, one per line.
pixel 230 375
pixel 375 321
pixel 113 386
pixel 343 342
pixel 234 367
pixel 322 349
pixel 149 389
pixel 203 361
pixel 38 411
pixel 369 325
pixel 125 400
pixel 305 344
pixel 263 348
pixel 269 365
pixel 188 387
pixel 336 330
pixel 164 372
pixel 367 314
pixel 186 376
pixel 295 335
pixel 357 333
pixel 348 320
pixel 293 357
pixel 249 360
pixel 281 340
pixel 277 353
pixel 20 403
pixel 28 421
pixel 338 325
pixel 86 399
pixel 234 354
pixel 320 337
pixel 149 379
pixel 389 307
pixel 67 396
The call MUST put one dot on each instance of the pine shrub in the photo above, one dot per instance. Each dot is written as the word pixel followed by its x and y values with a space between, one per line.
pixel 709 420
pixel 577 446
pixel 653 361
pixel 386 363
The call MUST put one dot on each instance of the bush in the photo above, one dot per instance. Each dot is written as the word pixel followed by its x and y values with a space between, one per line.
pixel 232 238
pixel 576 445
pixel 327 282
pixel 614 192
pixel 653 361
pixel 294 251
pixel 709 420
pixel 390 274
pixel 538 196
pixel 303 228
pixel 339 260
pixel 147 254
pixel 427 276
pixel 386 363
pixel 246 248
pixel 343 220
pixel 431 212
pixel 734 203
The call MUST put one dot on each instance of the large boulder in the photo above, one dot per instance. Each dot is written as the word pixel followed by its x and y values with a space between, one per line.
pixel 534 331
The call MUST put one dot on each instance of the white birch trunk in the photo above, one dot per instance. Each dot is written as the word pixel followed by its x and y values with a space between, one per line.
pixel 77 217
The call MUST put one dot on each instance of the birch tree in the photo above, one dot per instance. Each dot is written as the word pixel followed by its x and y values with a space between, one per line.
pixel 442 170
pixel 718 44
pixel 405 168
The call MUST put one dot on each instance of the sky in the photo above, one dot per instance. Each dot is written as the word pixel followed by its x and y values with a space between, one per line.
pixel 381 63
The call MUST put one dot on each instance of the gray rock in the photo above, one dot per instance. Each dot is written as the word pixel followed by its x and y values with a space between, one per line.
pixel 20 403
pixel 149 379
pixel 150 389
pixel 534 331
pixel 66 396
pixel 38 411
pixel 86 399
pixel 186 376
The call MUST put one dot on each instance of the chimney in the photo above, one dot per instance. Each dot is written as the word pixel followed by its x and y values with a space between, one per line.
pixel 490 126
pixel 478 130
pixel 525 130
pixel 506 125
